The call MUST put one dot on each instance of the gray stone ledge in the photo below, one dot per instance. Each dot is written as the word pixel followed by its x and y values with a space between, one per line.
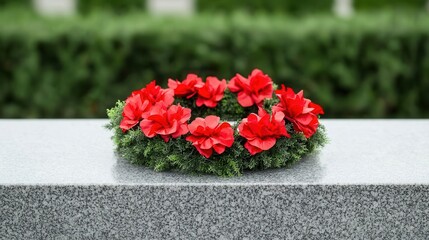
pixel 59 179
pixel 215 212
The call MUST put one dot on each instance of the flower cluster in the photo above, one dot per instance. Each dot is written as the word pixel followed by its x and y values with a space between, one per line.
pixel 166 123
pixel 151 110
pixel 209 134
pixel 138 106
pixel 252 90
pixel 262 131
pixel 208 93
pixel 300 111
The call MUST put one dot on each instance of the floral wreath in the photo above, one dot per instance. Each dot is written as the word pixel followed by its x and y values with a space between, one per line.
pixel 180 128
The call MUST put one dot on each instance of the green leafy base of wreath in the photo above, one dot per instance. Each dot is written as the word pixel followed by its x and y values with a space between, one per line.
pixel 179 154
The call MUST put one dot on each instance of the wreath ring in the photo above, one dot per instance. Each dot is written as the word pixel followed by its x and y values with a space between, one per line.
pixel 215 127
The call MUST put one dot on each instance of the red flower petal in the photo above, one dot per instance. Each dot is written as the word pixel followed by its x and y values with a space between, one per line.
pixel 298 110
pixel 198 122
pixel 165 138
pixel 207 134
pixel 171 122
pixel 219 148
pixel 127 124
pixel 253 90
pixel 172 84
pixel 133 112
pixel 145 126
pixel 205 92
pixel 210 93
pixel 263 143
pixel 205 152
pixel 317 108
pixel 238 83
pixel 155 94
pixel 252 149
pixel 244 99
pixel 226 134
pixel 207 143
pixel 212 121
pixel 262 132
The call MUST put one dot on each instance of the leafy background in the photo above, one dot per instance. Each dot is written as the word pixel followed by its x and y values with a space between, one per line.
pixel 374 64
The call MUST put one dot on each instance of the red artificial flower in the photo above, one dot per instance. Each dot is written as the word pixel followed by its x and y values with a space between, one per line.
pixel 166 122
pixel 318 110
pixel 138 105
pixel 210 92
pixel 252 90
pixel 187 87
pixel 134 111
pixel 208 135
pixel 263 131
pixel 301 112
pixel 155 94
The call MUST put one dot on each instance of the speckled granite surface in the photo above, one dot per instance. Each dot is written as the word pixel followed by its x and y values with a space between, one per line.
pixel 370 182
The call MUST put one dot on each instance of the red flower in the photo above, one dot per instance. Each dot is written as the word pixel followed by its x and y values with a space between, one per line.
pixel 318 110
pixel 166 122
pixel 154 94
pixel 301 112
pixel 262 132
pixel 252 90
pixel 211 92
pixel 208 135
pixel 187 87
pixel 138 105
pixel 134 111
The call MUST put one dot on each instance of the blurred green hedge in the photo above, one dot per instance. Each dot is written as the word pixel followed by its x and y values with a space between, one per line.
pixel 266 6
pixel 389 4
pixel 117 6
pixel 367 66
pixel 292 7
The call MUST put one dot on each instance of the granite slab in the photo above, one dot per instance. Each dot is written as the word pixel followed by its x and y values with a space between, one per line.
pixel 60 179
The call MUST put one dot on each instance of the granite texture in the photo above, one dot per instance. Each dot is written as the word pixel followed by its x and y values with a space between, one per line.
pixel 81 152
pixel 215 212
pixel 60 179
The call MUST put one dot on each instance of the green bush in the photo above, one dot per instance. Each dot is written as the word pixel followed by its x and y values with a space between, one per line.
pixel 251 6
pixel 15 3
pixel 117 6
pixel 292 7
pixel 389 4
pixel 367 66
pixel 266 6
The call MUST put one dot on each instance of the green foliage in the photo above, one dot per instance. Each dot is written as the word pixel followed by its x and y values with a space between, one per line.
pixel 251 6
pixel 290 7
pixel 266 6
pixel 389 4
pixel 15 3
pixel 179 154
pixel 228 108
pixel 366 66
pixel 116 6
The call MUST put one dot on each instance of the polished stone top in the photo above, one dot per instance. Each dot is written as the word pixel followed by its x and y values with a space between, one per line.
pixel 68 152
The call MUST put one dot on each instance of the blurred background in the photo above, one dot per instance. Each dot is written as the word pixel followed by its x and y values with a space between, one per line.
pixel 75 58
